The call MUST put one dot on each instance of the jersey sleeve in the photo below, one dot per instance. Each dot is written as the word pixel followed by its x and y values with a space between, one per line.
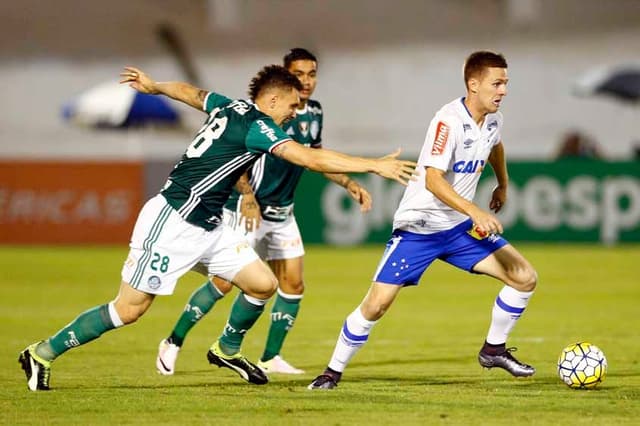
pixel 214 100
pixel 439 143
pixel 498 137
pixel 317 141
pixel 264 135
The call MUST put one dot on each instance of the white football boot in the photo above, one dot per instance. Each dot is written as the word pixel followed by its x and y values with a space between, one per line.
pixel 167 355
pixel 278 365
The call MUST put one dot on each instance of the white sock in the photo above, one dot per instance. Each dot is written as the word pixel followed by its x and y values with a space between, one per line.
pixel 355 332
pixel 508 307
pixel 254 300
pixel 113 315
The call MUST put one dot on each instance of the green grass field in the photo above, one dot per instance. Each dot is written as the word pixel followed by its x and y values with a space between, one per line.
pixel 419 366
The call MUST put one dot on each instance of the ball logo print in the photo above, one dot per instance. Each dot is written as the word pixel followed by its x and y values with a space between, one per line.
pixel 582 365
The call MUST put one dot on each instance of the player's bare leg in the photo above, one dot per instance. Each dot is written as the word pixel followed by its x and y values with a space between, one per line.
pixel 283 313
pixel 36 359
pixel 355 332
pixel 510 267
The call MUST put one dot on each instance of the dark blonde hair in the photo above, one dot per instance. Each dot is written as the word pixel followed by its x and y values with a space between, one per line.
pixel 272 76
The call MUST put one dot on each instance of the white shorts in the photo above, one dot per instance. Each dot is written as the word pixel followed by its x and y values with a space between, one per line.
pixel 272 240
pixel 164 247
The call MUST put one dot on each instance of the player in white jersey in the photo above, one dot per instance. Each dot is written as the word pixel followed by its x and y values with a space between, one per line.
pixel 437 219
pixel 421 211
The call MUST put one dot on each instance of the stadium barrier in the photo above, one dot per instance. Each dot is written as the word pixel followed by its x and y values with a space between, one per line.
pixel 568 200
pixel 67 202
pixel 97 202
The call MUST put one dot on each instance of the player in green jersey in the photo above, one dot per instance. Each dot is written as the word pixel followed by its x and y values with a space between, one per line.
pixel 182 226
pixel 263 207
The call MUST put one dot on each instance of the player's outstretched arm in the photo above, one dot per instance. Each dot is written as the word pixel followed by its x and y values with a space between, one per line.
pixel 355 190
pixel 325 160
pixel 183 92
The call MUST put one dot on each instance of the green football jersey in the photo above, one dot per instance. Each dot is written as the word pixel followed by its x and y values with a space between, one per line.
pixel 232 138
pixel 274 180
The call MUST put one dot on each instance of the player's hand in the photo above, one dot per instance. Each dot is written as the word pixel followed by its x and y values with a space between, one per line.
pixel 486 222
pixel 498 198
pixel 139 80
pixel 391 167
pixel 250 212
pixel 359 194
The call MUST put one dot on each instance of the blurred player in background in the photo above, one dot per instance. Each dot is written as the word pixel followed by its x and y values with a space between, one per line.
pixel 182 226
pixel 437 219
pixel 264 202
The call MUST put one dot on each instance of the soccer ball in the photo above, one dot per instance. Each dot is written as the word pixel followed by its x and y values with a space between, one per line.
pixel 582 365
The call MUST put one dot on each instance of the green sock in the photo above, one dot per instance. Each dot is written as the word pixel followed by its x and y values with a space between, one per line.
pixel 283 315
pixel 199 304
pixel 243 315
pixel 88 326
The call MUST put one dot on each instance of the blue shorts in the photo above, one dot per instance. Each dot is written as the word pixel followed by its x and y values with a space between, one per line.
pixel 408 255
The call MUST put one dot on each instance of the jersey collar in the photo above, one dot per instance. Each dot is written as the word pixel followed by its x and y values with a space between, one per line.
pixel 303 110
pixel 465 107
pixel 255 105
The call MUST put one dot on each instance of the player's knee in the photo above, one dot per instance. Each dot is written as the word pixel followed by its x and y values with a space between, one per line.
pixel 374 313
pixel 264 286
pixel 532 279
pixel 525 279
pixel 295 286
pixel 298 288
pixel 374 310
pixel 223 286
pixel 129 313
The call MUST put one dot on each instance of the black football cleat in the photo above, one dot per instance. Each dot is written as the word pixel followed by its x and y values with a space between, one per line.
pixel 505 361
pixel 238 363
pixel 37 370
pixel 327 380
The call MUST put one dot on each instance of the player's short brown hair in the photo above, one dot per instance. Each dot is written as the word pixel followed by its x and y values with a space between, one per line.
pixel 479 61
pixel 272 76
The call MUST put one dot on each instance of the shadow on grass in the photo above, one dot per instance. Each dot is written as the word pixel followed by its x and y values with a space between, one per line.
pixel 360 373
pixel 378 385
pixel 285 383
pixel 410 361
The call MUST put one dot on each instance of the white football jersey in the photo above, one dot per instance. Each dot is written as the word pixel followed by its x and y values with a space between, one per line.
pixel 456 145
